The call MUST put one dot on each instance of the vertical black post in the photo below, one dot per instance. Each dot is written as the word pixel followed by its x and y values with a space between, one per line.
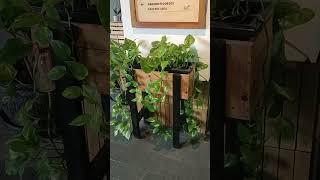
pixel 105 99
pixel 314 172
pixel 134 115
pixel 176 110
pixel 75 147
pixel 217 108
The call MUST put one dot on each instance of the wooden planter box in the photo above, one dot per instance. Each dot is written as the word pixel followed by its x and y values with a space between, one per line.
pixel 165 113
pixel 247 66
pixel 93 53
pixel 187 81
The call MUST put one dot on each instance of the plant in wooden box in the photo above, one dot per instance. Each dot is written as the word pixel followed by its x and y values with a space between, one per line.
pixel 288 14
pixel 25 60
pixel 149 79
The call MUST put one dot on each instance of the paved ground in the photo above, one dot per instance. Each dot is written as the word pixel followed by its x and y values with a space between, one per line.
pixel 145 159
pixel 153 159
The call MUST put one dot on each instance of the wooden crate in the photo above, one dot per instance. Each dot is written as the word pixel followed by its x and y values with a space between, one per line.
pixel 116 33
pixel 165 114
pixel 187 81
pixel 93 53
pixel 247 65
pixel 92 36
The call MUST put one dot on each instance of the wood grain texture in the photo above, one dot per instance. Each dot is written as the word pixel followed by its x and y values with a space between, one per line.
pixel 302 165
pixel 286 164
pixel 93 52
pixel 201 24
pixel 165 115
pixel 248 68
pixel 291 109
pixel 187 81
pixel 270 164
pixel 92 36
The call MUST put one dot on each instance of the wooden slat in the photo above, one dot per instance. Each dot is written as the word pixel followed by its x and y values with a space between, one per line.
pixel 290 109
pixel 92 36
pixel 187 81
pixel 94 60
pixel 286 165
pixel 113 32
pixel 307 108
pixel 246 63
pixel 116 24
pixel 116 28
pixel 270 164
pixel 238 57
pixel 302 164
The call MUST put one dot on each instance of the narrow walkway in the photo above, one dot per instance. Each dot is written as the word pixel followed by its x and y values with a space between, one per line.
pixel 154 159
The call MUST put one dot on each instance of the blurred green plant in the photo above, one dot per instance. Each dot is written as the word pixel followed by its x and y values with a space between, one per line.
pixel 28 149
pixel 287 14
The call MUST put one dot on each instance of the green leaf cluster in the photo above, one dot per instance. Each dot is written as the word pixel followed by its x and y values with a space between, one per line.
pixel 162 57
pixel 121 120
pixel 31 29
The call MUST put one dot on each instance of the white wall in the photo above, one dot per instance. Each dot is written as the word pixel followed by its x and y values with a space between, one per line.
pixel 147 35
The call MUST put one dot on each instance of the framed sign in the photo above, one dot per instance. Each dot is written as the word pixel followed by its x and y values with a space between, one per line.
pixel 186 14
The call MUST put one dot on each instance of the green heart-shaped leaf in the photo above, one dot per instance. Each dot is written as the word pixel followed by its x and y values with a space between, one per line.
pixel 57 72
pixel 91 94
pixel 26 20
pixel 72 92
pixel 14 50
pixel 81 120
pixel 79 71
pixel 42 36
pixel 60 49
pixel 189 40
pixel 7 73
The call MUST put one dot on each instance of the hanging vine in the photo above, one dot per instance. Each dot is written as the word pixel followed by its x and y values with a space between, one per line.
pixel 163 56
pixel 32 146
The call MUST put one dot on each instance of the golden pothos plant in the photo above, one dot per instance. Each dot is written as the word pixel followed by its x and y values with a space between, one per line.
pixel 32 30
pixel 162 57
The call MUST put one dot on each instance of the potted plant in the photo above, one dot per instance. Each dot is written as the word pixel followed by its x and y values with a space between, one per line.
pixel 252 135
pixel 150 78
pixel 34 48
pixel 246 27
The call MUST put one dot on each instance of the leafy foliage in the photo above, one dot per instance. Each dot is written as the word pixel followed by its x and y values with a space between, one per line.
pixel 288 14
pixel 31 29
pixel 163 57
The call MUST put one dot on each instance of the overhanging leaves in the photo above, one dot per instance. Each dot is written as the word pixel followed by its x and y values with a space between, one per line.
pixel 281 91
pixel 81 120
pixel 79 71
pixel 72 92
pixel 103 7
pixel 7 73
pixel 57 72
pixel 14 50
pixel 42 36
pixel 26 20
pixel 61 50
pixel 91 94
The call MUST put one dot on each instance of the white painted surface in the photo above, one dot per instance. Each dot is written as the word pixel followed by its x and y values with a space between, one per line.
pixel 306 37
pixel 147 35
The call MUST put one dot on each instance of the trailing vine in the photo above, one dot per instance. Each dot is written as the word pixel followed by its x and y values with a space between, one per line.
pixel 31 31
pixel 163 57
pixel 248 164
